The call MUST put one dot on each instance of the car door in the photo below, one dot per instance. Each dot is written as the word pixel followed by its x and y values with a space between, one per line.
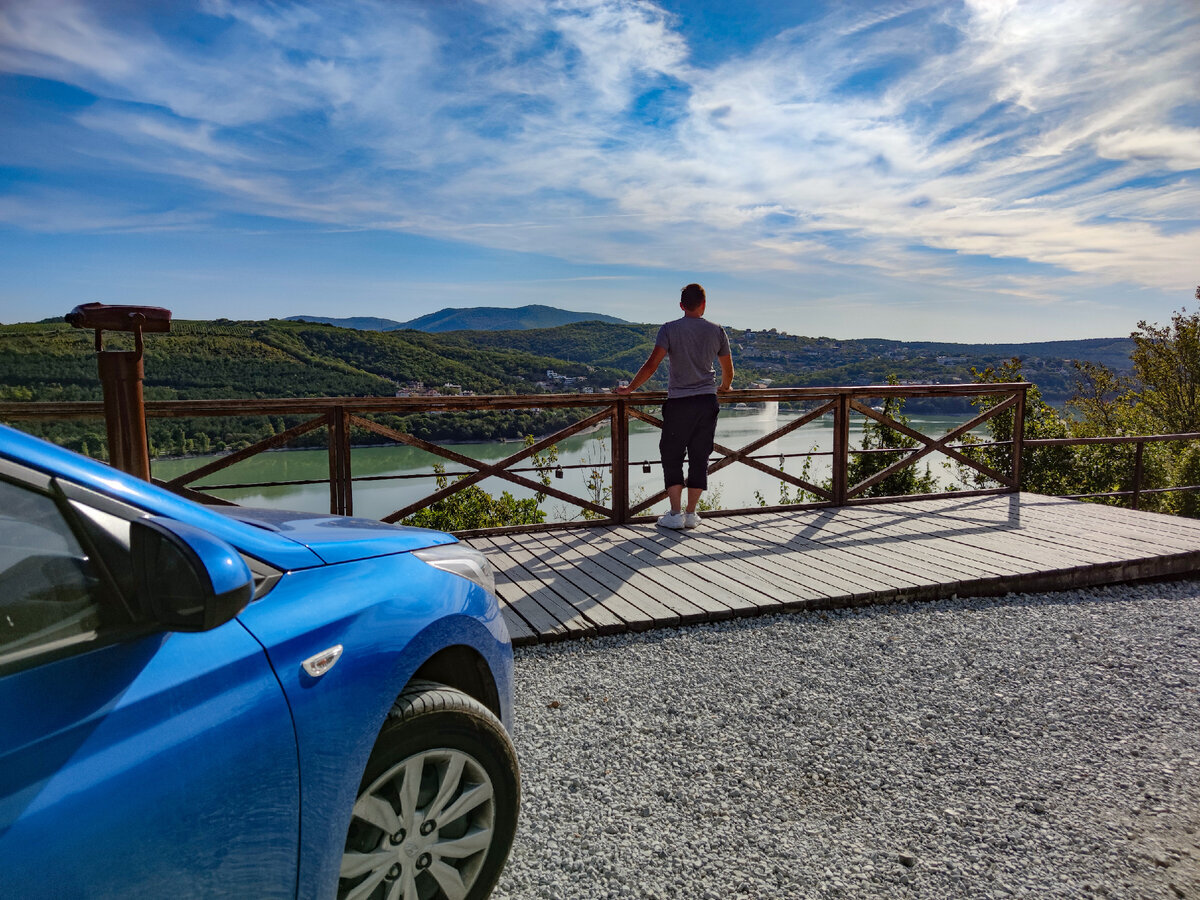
pixel 132 761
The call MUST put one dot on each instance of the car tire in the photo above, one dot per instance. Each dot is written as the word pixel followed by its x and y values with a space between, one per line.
pixel 436 811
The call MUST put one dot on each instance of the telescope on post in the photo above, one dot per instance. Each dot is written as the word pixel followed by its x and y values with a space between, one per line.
pixel 121 376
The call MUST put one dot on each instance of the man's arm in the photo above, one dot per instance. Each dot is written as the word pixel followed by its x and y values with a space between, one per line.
pixel 726 372
pixel 649 367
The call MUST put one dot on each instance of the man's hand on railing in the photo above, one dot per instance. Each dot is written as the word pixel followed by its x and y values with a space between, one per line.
pixel 625 390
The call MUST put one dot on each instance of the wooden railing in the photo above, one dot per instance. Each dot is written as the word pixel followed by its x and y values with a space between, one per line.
pixel 341 415
pixel 1137 487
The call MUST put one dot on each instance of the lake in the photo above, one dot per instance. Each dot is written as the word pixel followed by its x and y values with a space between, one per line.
pixel 732 488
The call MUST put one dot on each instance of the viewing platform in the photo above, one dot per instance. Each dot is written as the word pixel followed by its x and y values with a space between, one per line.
pixel 557 585
pixel 847 542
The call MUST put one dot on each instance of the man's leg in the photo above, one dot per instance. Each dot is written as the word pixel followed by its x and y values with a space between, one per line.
pixel 672 444
pixel 700 445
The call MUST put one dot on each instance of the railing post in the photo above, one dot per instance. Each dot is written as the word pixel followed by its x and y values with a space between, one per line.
pixel 341 501
pixel 841 448
pixel 121 375
pixel 1137 474
pixel 1018 437
pixel 620 461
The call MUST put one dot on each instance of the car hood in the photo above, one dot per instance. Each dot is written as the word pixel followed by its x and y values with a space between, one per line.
pixel 338 539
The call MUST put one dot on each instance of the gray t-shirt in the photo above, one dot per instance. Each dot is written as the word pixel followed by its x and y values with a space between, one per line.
pixel 692 344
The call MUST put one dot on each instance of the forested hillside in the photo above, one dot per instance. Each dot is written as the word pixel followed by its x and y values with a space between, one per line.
pixel 796 361
pixel 197 360
pixel 205 360
pixel 281 358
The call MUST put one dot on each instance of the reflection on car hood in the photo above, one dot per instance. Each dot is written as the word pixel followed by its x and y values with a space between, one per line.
pixel 338 539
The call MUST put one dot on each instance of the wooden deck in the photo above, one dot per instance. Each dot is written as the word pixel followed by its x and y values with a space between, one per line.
pixel 557 585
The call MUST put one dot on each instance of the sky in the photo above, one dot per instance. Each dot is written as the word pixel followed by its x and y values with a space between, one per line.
pixel 987 170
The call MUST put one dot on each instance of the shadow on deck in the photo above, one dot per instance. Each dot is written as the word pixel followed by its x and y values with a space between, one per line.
pixel 609 580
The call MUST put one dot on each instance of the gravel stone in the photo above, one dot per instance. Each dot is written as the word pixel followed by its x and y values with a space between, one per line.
pixel 1034 745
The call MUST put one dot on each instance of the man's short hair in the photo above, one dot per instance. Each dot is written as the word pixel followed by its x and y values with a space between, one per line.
pixel 691 297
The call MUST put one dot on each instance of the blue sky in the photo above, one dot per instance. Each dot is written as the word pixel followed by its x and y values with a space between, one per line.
pixel 987 170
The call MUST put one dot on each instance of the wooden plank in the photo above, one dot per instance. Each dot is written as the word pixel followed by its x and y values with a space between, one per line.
pixel 746 559
pixel 606 619
pixel 694 573
pixel 1137 518
pixel 519 631
pixel 619 545
pixel 825 564
pixel 540 621
pixel 671 586
pixel 639 576
pixel 927 553
pixel 1114 535
pixel 1006 536
pixel 575 623
pixel 1048 550
pixel 843 558
pixel 888 547
pixel 747 590
pixel 599 583
pixel 942 536
pixel 680 601
pixel 1055 537
pixel 1012 552
pixel 936 538
pixel 1150 529
pixel 1061 568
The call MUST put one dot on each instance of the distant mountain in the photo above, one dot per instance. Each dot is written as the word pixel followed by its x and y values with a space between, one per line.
pixel 361 323
pixel 477 318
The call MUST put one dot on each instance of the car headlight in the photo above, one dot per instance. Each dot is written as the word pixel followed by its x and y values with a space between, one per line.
pixel 461 560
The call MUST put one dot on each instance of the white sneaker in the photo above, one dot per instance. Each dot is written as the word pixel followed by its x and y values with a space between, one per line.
pixel 672 520
pixel 691 520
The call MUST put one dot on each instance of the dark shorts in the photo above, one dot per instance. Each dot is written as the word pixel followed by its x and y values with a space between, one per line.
pixel 689 425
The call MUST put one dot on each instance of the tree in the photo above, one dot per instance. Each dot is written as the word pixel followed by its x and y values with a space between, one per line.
pixel 1162 397
pixel 1167 362
pixel 880 438
pixel 473 507
pixel 1047 470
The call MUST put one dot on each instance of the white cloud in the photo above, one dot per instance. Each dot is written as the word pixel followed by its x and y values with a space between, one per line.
pixel 999 128
pixel 1177 148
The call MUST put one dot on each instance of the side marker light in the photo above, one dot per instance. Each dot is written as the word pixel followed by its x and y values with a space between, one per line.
pixel 318 665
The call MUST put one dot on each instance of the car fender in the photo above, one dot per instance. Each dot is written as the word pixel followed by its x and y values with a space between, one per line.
pixel 389 615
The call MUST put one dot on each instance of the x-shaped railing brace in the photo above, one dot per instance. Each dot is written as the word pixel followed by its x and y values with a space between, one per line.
pixel 729 457
pixel 931 445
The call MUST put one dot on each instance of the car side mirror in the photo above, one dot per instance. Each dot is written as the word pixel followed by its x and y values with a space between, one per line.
pixel 187 579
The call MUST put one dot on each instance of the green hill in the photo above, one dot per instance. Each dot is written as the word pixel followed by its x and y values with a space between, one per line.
pixel 281 358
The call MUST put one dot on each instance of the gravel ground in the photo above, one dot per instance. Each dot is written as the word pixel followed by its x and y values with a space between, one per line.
pixel 1027 746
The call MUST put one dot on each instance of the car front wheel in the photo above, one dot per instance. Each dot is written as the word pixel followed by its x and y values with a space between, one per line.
pixel 437 808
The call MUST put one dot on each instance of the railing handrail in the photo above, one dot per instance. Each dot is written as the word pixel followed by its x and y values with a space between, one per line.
pixel 41 409
pixel 1113 439
pixel 340 415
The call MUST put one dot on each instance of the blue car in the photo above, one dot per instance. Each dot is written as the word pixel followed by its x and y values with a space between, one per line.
pixel 241 703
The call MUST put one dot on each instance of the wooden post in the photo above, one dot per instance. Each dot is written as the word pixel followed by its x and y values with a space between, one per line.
pixel 620 461
pixel 341 501
pixel 121 375
pixel 1138 471
pixel 1018 438
pixel 841 449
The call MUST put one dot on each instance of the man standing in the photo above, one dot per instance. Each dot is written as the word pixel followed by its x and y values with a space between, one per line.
pixel 690 413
